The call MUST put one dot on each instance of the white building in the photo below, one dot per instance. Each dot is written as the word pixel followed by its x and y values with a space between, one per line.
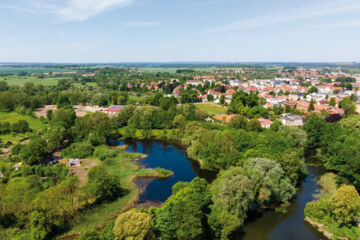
pixel 288 119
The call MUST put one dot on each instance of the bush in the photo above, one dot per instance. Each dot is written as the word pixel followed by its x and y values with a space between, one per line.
pixel 102 184
pixel 319 211
pixel 107 233
pixel 78 150
pixel 21 126
pixel 104 153
pixel 345 206
pixel 90 235
pixel 133 225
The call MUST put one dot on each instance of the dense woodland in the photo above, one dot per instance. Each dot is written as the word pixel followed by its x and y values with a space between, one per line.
pixel 259 169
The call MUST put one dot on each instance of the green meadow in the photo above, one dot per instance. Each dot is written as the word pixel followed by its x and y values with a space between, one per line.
pixel 212 108
pixel 21 80
pixel 31 70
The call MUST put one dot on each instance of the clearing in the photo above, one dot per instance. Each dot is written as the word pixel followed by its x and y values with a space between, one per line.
pixel 212 108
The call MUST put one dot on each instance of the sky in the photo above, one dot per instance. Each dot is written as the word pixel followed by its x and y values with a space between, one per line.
pixel 86 31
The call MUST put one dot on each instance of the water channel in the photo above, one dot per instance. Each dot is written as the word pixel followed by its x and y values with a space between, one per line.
pixel 270 225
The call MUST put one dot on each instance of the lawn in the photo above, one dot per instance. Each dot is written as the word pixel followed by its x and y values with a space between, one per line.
pixel 212 108
pixel 12 117
pixel 21 80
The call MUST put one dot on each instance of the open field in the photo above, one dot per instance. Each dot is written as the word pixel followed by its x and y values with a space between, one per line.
pixel 21 80
pixel 12 117
pixel 212 108
pixel 93 84
pixel 173 70
pixel 17 70
pixel 149 69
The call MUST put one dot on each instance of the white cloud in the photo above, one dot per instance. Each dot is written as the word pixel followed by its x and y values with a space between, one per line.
pixel 16 8
pixel 345 24
pixel 289 16
pixel 80 10
pixel 67 10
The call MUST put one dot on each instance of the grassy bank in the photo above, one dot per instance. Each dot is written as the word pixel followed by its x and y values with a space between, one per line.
pixel 155 173
pixel 125 167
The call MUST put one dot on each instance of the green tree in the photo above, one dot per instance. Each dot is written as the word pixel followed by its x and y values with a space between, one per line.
pixel 133 226
pixel 179 122
pixel 271 185
pixel 40 225
pixel 102 184
pixel 222 99
pixel 348 106
pixel 182 216
pixel 210 97
pixel 275 126
pixel 311 107
pixel 238 122
pixel 233 193
pixel 345 206
pixel 332 102
pixel 35 151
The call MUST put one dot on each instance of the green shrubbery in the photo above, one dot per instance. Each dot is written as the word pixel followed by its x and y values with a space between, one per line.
pixel 104 153
pixel 78 150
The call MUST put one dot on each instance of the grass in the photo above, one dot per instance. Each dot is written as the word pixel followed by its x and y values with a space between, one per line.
pixel 21 80
pixel 12 117
pixel 159 69
pixel 77 84
pixel 125 169
pixel 31 70
pixel 212 108
pixel 155 173
pixel 328 183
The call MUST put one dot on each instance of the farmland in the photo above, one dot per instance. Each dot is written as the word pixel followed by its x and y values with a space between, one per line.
pixel 31 70
pixel 21 80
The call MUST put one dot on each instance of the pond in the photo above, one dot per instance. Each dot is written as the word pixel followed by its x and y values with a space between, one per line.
pixel 270 225
pixel 171 157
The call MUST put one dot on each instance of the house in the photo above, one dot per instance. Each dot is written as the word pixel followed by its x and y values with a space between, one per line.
pixel 288 119
pixel 265 123
pixel 224 118
pixel 357 104
pixel 74 161
pixel 113 110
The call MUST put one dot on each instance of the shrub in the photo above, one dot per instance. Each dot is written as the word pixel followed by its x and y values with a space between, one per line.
pixel 133 225
pixel 78 150
pixel 90 235
pixel 104 153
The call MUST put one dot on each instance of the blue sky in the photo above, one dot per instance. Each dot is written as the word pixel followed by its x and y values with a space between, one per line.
pixel 179 30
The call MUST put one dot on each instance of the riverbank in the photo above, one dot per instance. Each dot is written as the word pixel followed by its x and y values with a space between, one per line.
pixel 323 222
pixel 127 168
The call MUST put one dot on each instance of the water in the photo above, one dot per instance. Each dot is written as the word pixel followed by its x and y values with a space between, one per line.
pixel 269 226
pixel 291 225
pixel 166 156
